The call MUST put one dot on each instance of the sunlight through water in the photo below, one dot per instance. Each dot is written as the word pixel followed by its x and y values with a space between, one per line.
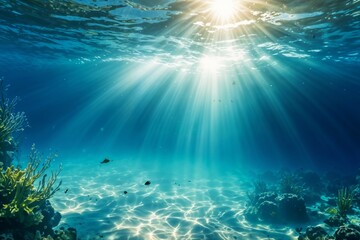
pixel 188 101
pixel 224 10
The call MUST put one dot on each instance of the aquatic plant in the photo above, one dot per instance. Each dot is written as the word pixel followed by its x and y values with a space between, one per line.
pixel 11 123
pixel 20 200
pixel 344 201
pixel 289 184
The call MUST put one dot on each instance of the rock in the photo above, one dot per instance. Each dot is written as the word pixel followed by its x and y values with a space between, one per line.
pixel 347 233
pixel 68 234
pixel 335 221
pixel 266 196
pixel 315 233
pixel 272 208
pixel 292 208
pixel 51 219
pixel 268 211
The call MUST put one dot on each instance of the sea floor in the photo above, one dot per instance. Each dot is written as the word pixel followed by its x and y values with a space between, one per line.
pixel 93 200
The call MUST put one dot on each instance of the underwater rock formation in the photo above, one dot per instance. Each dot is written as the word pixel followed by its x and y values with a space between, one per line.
pixel 292 208
pixel 350 232
pixel 335 221
pixel 272 208
pixel 315 233
pixel 268 211
pixel 51 218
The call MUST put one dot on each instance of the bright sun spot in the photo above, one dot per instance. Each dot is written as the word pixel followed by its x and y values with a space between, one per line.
pixel 210 64
pixel 223 9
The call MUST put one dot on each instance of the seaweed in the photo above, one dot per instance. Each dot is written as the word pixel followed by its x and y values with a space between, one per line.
pixel 11 124
pixel 344 201
pixel 20 200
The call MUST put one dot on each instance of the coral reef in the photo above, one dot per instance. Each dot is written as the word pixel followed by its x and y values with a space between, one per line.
pixel 22 204
pixel 350 232
pixel 316 233
pixel 25 212
pixel 271 207
pixel 290 183
pixel 20 200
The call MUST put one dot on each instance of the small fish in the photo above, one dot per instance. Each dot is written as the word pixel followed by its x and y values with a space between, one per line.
pixel 147 183
pixel 125 192
pixel 66 190
pixel 105 161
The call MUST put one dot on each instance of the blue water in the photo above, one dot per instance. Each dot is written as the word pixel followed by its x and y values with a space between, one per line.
pixel 172 86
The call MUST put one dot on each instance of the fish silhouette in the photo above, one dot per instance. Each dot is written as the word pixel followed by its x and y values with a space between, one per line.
pixel 105 161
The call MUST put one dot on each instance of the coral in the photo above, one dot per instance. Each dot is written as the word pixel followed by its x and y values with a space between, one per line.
pixel 273 208
pixel 268 211
pixel 347 233
pixel 11 123
pixel 20 200
pixel 344 201
pixel 267 196
pixel 289 183
pixel 316 233
pixel 335 221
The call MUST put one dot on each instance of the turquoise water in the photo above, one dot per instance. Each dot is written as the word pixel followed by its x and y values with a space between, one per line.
pixel 179 91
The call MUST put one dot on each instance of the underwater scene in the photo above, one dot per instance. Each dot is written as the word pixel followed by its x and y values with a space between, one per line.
pixel 180 119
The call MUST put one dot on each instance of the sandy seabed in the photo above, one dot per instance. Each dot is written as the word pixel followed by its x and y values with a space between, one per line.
pixel 171 207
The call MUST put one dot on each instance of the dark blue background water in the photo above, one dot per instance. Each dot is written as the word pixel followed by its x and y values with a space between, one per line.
pixel 291 112
pixel 322 105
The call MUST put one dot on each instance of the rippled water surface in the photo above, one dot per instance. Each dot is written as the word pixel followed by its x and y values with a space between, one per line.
pixel 180 32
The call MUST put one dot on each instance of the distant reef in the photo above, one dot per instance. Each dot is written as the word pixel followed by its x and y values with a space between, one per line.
pixel 299 198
